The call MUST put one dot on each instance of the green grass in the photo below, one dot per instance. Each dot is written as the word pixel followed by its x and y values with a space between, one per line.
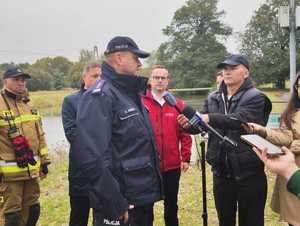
pixel 49 102
pixel 55 199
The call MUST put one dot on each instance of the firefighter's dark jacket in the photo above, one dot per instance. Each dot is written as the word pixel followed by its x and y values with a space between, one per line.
pixel 77 181
pixel 247 105
pixel 120 158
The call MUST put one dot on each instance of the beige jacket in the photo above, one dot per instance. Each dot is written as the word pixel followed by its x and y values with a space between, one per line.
pixel 283 202
pixel 28 122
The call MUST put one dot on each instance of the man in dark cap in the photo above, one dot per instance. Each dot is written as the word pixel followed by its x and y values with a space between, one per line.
pixel 23 153
pixel 238 174
pixel 120 160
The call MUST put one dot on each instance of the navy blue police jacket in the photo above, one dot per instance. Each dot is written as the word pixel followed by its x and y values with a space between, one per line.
pixel 78 185
pixel 120 158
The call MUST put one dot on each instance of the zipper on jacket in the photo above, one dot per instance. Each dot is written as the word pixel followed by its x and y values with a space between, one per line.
pixel 162 139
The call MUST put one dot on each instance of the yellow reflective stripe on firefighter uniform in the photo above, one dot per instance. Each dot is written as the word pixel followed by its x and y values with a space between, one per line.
pixel 12 167
pixel 44 151
pixel 20 119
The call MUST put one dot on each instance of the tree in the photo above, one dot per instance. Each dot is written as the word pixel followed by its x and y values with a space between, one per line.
pixel 58 67
pixel 40 80
pixel 194 47
pixel 75 74
pixel 267 45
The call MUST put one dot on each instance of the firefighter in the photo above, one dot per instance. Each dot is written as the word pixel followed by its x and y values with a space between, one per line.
pixel 23 152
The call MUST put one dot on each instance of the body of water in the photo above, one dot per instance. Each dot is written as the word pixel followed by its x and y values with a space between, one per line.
pixel 55 135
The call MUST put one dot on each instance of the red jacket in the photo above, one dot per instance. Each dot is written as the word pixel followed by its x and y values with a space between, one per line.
pixel 169 135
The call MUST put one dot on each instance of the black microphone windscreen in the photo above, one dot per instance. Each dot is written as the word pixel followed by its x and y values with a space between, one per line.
pixel 188 112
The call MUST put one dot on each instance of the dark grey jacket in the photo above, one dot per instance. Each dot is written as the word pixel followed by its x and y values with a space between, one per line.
pixel 120 158
pixel 247 105
pixel 78 185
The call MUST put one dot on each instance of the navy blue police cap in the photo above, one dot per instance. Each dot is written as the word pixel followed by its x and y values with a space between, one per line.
pixel 233 60
pixel 122 44
pixel 15 72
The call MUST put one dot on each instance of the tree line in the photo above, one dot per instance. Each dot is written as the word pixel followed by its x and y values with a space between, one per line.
pixel 194 47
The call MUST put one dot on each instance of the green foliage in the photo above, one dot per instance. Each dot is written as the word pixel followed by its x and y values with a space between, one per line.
pixel 40 79
pixel 267 45
pixel 58 68
pixel 54 73
pixel 194 47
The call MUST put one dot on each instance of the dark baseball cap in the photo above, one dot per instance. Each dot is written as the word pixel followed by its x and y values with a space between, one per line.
pixel 15 72
pixel 123 43
pixel 235 59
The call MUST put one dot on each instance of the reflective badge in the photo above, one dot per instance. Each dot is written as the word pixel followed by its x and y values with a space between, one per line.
pixel 1 199
pixel 8 114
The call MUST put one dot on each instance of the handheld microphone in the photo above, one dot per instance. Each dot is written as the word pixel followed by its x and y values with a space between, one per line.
pixel 195 119
pixel 171 100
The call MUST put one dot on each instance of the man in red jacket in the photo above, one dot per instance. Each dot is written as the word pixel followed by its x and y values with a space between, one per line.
pixel 173 143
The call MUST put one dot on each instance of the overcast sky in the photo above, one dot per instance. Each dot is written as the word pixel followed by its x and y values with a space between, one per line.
pixel 33 29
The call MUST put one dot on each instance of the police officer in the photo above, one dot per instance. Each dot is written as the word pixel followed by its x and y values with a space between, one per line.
pixel 23 152
pixel 120 158
pixel 79 200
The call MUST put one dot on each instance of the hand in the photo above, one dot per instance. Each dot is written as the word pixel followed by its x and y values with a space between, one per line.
pixel 184 166
pixel 255 128
pixel 284 165
pixel 44 168
pixel 125 217
pixel 183 121
pixel 205 118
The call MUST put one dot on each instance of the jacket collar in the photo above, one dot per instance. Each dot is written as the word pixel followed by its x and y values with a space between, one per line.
pixel 248 84
pixel 24 97
pixel 130 83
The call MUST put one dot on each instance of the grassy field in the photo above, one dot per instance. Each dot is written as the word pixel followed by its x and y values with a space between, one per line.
pixel 55 200
pixel 49 102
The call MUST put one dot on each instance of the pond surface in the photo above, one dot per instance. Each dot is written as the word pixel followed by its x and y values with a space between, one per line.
pixel 55 135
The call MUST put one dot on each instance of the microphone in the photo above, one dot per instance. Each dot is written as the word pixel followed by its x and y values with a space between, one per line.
pixel 171 100
pixel 195 119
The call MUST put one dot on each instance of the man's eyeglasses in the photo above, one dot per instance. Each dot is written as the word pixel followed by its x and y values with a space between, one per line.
pixel 159 78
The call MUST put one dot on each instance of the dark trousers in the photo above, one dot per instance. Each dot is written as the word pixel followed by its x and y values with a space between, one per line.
pixel 80 208
pixel 138 216
pixel 171 187
pixel 248 196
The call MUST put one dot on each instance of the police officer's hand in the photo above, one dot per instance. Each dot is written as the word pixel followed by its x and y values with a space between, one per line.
pixel 125 217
